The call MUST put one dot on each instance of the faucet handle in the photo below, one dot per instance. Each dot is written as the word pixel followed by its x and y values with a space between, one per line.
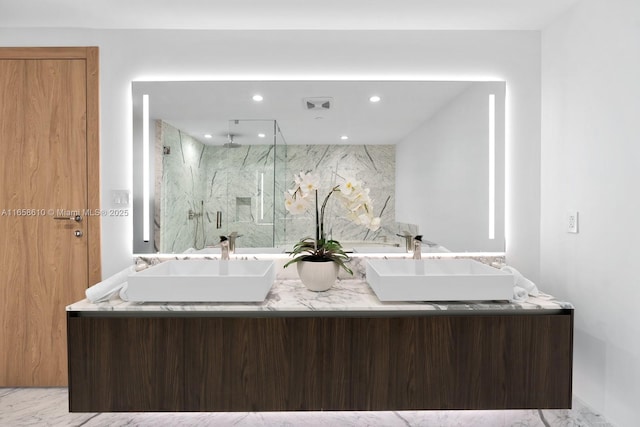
pixel 418 237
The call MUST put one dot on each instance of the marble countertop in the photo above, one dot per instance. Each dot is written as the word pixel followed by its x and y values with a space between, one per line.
pixel 353 296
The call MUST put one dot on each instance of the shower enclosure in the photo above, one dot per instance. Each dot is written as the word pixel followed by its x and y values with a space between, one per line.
pixel 205 190
pixel 237 183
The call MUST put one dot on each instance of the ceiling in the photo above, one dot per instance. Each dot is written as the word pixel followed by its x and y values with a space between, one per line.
pixel 283 14
pixel 199 108
pixel 286 15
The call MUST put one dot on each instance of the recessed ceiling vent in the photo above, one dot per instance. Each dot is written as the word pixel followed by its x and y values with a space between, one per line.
pixel 323 103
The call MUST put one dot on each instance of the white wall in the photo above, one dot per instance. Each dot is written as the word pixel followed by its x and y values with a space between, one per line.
pixel 126 55
pixel 447 157
pixel 591 162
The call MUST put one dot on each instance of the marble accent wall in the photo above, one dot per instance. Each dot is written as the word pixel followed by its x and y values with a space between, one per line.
pixel 237 182
pixel 373 164
pixel 247 184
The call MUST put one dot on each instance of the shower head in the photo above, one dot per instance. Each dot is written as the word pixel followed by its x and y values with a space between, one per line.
pixel 230 143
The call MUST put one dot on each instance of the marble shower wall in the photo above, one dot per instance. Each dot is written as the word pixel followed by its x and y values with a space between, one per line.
pixel 179 176
pixel 247 184
pixel 375 165
pixel 191 176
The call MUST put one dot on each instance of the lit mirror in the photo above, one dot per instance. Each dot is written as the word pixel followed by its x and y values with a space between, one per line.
pixel 215 157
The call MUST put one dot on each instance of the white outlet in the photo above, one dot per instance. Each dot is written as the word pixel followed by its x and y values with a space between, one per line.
pixel 572 221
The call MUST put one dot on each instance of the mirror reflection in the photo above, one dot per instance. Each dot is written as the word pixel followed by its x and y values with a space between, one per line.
pixel 431 153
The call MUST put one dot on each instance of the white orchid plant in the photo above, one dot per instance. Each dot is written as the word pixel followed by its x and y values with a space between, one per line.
pixel 303 197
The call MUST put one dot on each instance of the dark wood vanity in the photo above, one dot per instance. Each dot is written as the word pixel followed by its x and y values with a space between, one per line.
pixel 157 360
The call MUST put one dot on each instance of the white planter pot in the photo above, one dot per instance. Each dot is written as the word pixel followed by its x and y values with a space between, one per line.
pixel 318 276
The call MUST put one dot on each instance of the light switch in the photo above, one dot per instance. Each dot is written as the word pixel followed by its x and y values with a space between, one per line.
pixel 572 222
pixel 120 198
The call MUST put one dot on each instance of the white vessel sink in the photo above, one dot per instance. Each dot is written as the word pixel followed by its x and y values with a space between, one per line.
pixel 199 280
pixel 437 280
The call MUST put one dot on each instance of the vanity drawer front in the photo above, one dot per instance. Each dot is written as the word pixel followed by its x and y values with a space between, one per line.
pixel 381 363
pixel 125 364
pixel 397 362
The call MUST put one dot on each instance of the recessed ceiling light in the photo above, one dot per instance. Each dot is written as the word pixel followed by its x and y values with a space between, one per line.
pixel 344 137
pixel 261 135
pixel 208 135
pixel 257 97
pixel 375 98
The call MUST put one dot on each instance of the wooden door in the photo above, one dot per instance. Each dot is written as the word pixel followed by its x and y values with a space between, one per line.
pixel 49 174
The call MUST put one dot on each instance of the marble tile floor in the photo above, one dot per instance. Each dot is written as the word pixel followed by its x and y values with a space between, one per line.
pixel 49 407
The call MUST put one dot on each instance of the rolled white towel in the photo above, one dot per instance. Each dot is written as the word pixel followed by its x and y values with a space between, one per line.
pixel 522 281
pixel 123 292
pixel 104 290
pixel 519 294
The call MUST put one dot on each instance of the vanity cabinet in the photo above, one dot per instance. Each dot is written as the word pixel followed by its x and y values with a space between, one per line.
pixel 324 360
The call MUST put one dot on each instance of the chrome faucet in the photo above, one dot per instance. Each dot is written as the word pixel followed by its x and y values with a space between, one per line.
pixel 417 247
pixel 224 247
